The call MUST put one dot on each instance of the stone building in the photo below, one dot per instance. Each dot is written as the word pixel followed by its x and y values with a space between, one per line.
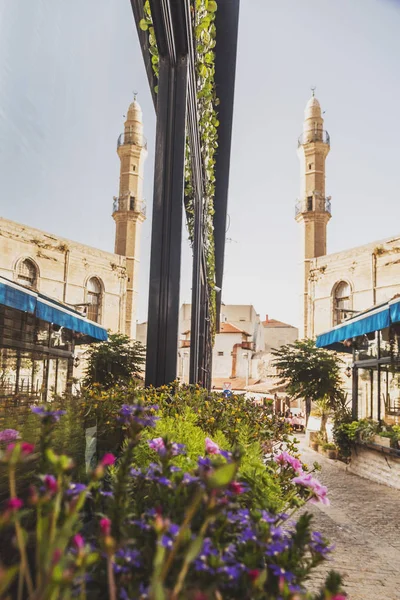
pixel 335 286
pixel 102 285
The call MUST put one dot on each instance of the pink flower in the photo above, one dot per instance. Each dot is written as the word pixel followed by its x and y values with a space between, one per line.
pixel 14 504
pixel 105 526
pixel 212 447
pixel 78 541
pixel 27 448
pixel 318 491
pixel 236 487
pixel 253 574
pixel 158 445
pixel 9 435
pixel 108 459
pixel 57 554
pixel 285 458
pixel 339 597
pixel 51 483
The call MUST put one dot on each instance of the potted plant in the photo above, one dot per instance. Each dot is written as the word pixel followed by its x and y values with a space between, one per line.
pixel 330 450
pixel 383 438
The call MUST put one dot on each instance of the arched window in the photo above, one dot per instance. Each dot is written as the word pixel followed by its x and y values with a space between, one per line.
pixel 94 299
pixel 27 273
pixel 341 302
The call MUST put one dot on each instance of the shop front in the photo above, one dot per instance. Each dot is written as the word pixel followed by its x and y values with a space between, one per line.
pixel 38 337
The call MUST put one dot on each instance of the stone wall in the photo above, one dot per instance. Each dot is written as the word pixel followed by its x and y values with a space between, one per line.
pixel 372 271
pixel 64 267
pixel 376 466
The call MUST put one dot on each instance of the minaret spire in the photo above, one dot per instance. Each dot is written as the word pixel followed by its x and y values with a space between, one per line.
pixel 129 209
pixel 313 209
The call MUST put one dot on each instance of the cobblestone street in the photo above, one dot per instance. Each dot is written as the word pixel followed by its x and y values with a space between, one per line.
pixel 363 522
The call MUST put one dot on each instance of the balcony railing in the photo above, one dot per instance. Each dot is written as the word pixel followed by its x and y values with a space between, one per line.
pixel 314 205
pixel 129 137
pixel 315 135
pixel 129 203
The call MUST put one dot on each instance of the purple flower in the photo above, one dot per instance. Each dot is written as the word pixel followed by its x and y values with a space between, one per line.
pixel 164 481
pixel 158 445
pixel 248 535
pixel 233 572
pixel 285 459
pixel 46 414
pixel 204 463
pixel 212 447
pixel 166 541
pixel 9 435
pixel 277 548
pixel 318 544
pixel 75 489
pixel 187 479
pixel 174 469
pixel 135 413
pixel 106 494
pixel 135 472
pixel 130 556
pixel 280 572
pixel 317 490
pixel 177 449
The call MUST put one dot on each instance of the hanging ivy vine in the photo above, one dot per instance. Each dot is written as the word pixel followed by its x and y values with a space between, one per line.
pixel 203 21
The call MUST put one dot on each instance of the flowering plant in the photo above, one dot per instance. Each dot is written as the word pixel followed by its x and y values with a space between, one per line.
pixel 157 531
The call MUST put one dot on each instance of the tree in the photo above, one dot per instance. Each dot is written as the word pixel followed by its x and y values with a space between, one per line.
pixel 310 373
pixel 116 361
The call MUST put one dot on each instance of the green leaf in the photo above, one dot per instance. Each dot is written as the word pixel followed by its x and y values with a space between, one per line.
pixel 194 549
pixel 212 6
pixel 223 476
pixel 143 25
pixel 7 577
pixel 51 456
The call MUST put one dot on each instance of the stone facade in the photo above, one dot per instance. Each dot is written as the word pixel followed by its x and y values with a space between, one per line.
pixel 335 286
pixel 372 273
pixel 64 269
pixel 101 284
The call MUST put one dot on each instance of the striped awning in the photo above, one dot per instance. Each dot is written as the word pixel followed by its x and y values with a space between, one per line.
pixel 16 296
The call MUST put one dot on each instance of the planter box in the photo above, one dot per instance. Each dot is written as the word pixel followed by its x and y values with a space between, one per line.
pixel 314 446
pixel 378 464
pixel 382 441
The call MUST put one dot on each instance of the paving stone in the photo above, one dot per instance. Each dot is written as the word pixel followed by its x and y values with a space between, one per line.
pixel 363 521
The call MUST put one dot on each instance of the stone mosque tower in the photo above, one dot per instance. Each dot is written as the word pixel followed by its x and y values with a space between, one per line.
pixel 313 209
pixel 129 210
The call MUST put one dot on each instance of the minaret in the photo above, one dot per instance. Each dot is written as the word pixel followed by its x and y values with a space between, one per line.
pixel 129 209
pixel 313 209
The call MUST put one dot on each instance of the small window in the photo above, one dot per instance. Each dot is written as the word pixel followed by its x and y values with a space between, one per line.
pixel 220 353
pixel 27 273
pixel 309 166
pixel 94 299
pixel 132 203
pixel 133 167
pixel 309 203
pixel 341 302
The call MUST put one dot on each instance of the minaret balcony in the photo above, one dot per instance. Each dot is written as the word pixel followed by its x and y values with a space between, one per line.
pixel 314 135
pixel 129 138
pixel 313 204
pixel 128 203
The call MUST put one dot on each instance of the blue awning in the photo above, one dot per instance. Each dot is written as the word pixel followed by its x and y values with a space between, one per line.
pixel 47 309
pixel 367 322
pixel 394 308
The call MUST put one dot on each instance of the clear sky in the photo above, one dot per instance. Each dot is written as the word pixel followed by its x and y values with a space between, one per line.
pixel 67 72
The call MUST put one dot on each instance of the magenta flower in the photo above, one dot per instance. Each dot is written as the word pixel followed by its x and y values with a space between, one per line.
pixel 212 447
pixel 27 448
pixel 78 541
pixel 108 459
pixel 318 491
pixel 51 483
pixel 284 458
pixel 9 435
pixel 105 526
pixel 236 487
pixel 158 445
pixel 339 597
pixel 14 504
